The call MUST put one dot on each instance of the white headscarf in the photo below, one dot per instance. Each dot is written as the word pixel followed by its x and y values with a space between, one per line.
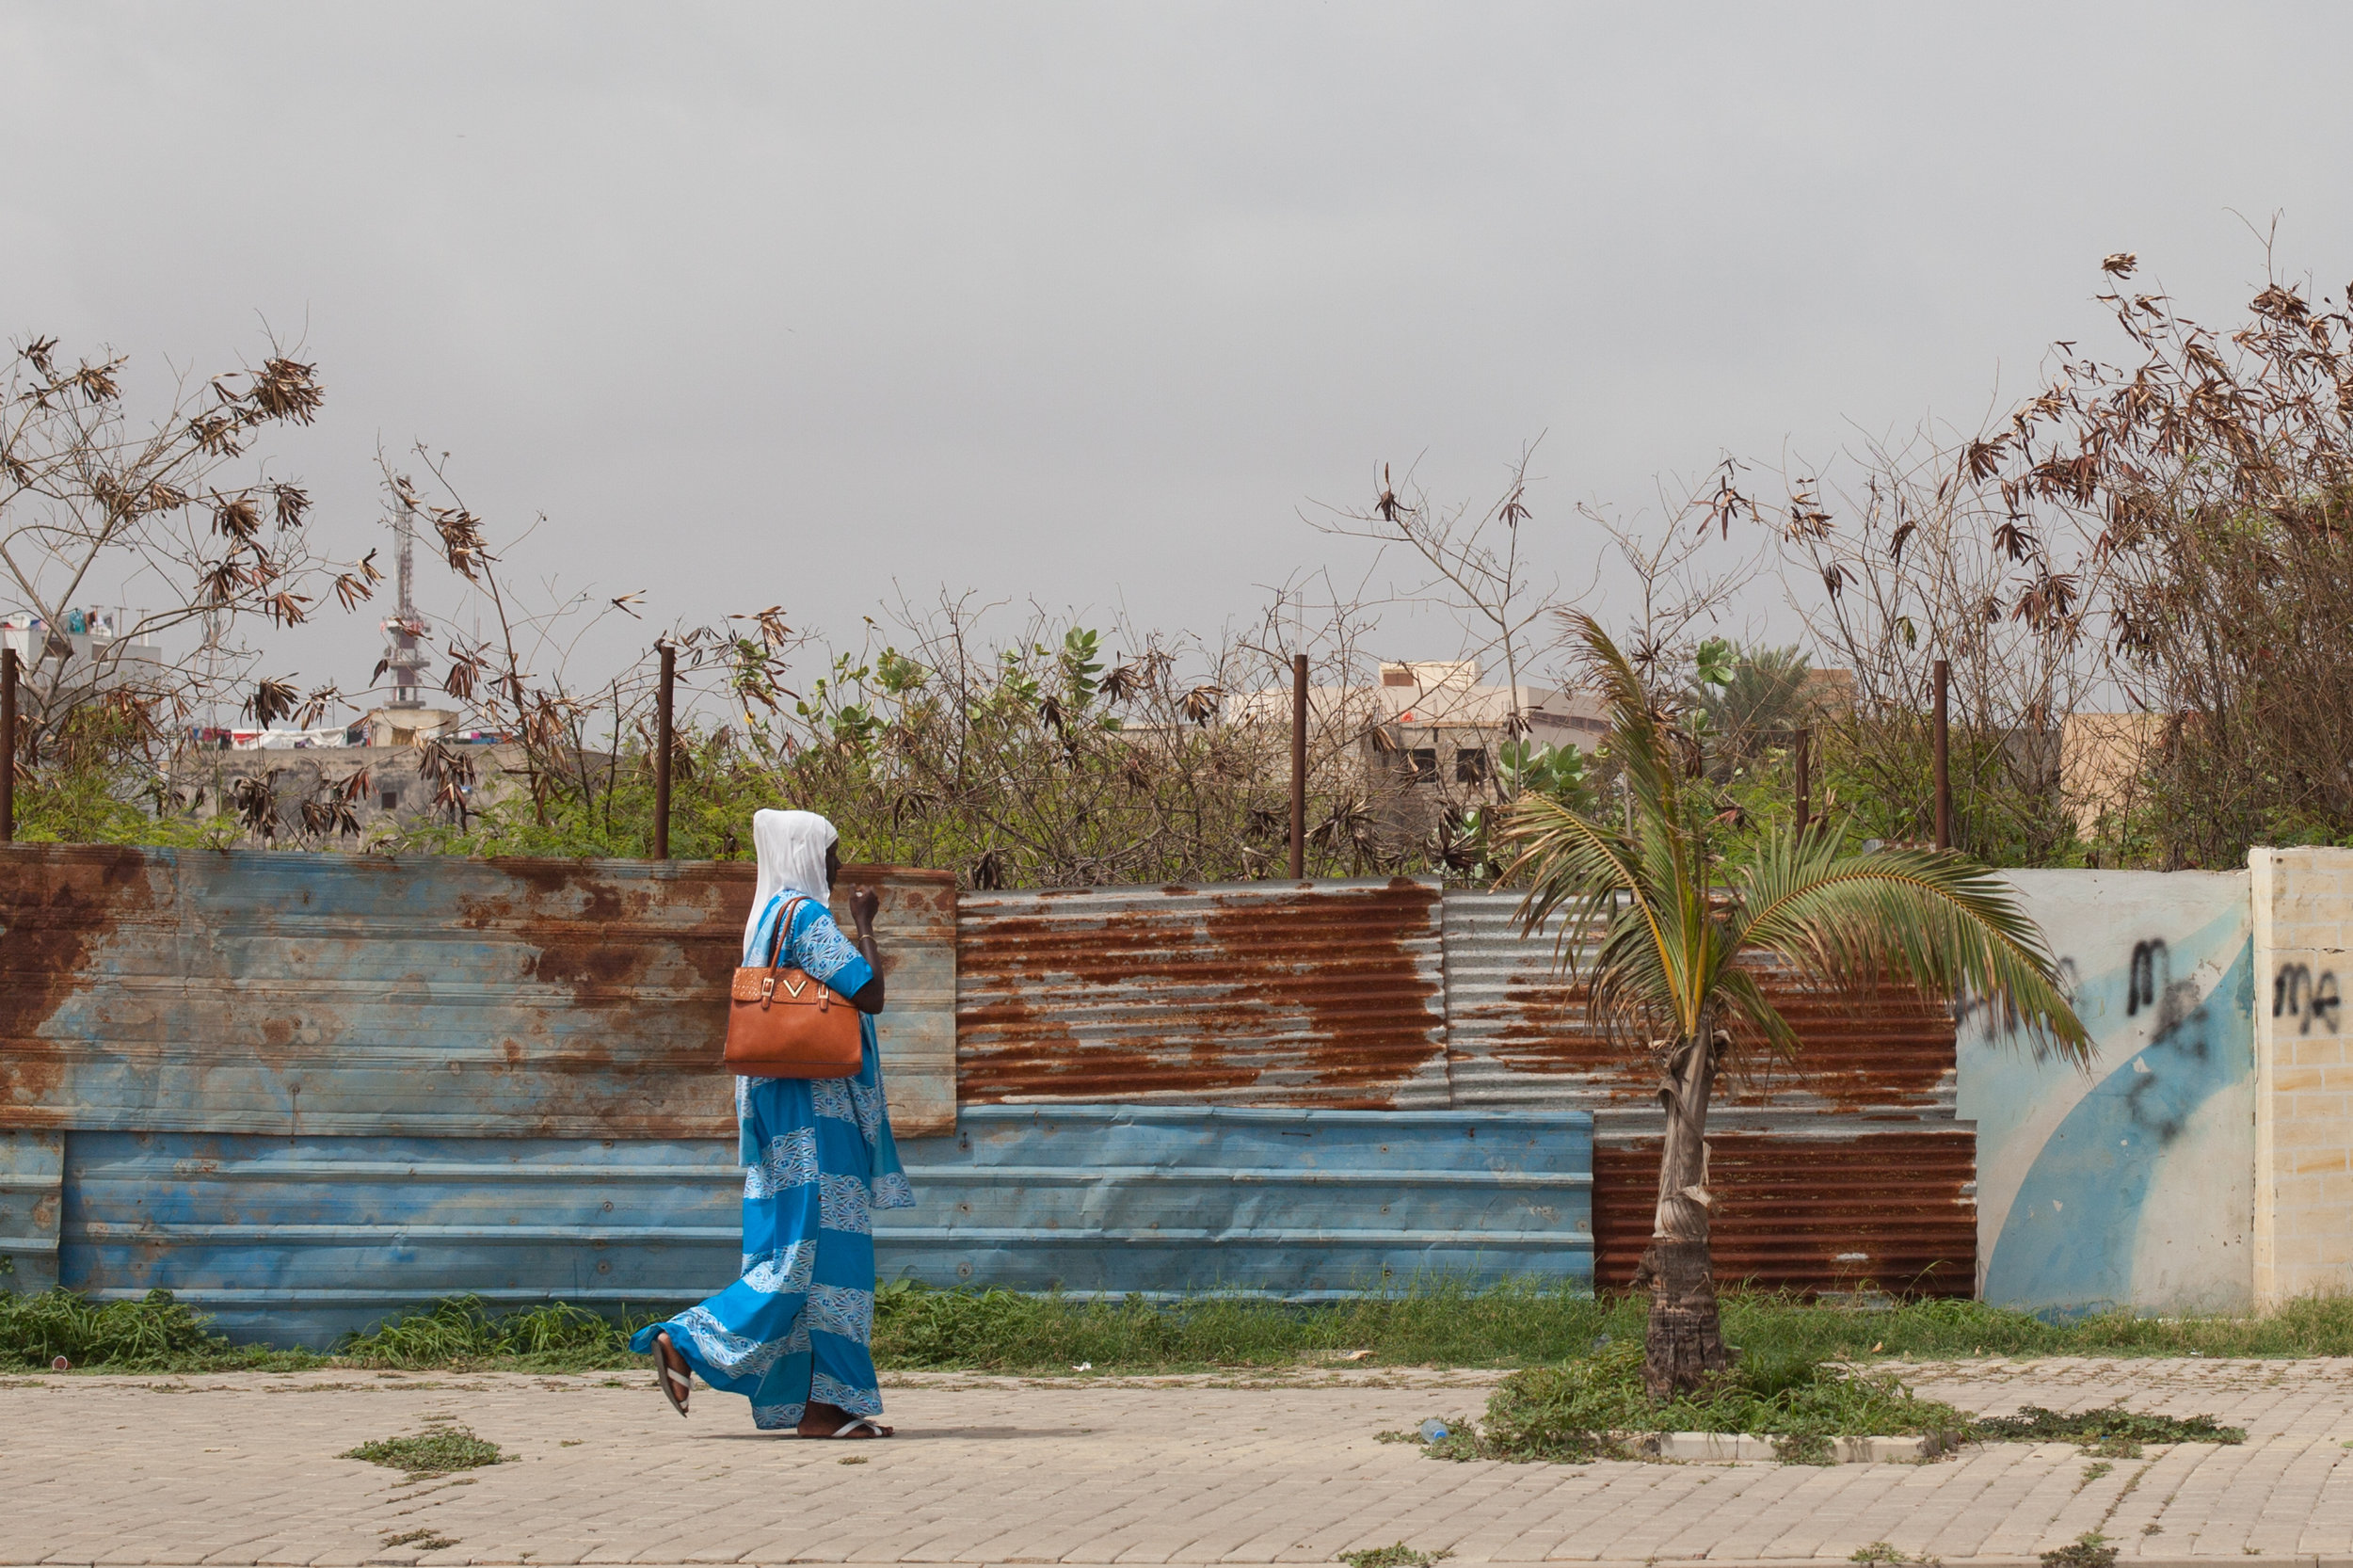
pixel 792 847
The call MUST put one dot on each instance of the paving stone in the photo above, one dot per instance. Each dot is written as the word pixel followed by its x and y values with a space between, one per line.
pixel 241 1468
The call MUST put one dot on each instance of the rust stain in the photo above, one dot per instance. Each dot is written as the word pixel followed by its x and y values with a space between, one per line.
pixel 1280 997
pixel 587 949
pixel 1892 1209
pixel 554 997
pixel 1893 1051
pixel 646 963
pixel 57 905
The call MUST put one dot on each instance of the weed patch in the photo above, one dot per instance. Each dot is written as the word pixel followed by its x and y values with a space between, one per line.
pixel 442 1448
pixel 1585 1409
pixel 424 1540
pixel 2087 1550
pixel 2111 1432
pixel 1879 1553
pixel 1396 1555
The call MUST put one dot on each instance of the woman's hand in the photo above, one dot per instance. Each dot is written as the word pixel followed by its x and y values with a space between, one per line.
pixel 864 904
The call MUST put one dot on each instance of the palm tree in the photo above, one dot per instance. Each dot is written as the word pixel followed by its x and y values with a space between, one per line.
pixel 1764 697
pixel 1675 917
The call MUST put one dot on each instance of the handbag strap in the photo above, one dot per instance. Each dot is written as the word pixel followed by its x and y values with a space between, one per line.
pixel 784 927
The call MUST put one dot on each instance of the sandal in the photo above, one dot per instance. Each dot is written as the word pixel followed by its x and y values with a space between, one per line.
pixel 674 1385
pixel 842 1433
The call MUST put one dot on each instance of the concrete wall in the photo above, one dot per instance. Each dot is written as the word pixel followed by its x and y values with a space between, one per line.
pixel 2303 1221
pixel 2132 1184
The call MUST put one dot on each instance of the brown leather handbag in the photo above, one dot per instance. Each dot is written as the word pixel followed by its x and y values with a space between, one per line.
pixel 783 1024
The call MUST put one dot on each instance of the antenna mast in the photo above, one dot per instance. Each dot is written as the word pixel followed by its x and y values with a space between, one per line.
pixel 402 656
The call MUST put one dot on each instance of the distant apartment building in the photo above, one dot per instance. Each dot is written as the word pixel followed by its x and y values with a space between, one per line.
pixel 1440 725
pixel 1432 731
pixel 86 651
pixel 1436 722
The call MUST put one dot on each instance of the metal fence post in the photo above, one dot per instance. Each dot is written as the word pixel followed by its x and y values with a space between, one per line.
pixel 1805 775
pixel 7 746
pixel 1299 767
pixel 662 755
pixel 1943 758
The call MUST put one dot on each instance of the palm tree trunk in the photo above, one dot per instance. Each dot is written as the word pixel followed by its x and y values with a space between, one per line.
pixel 1684 1345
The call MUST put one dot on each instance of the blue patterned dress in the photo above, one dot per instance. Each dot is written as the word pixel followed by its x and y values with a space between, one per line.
pixel 818 1158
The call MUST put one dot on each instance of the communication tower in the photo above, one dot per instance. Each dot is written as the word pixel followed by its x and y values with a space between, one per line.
pixel 403 656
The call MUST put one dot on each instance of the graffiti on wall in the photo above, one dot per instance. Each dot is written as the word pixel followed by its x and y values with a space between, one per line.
pixel 2129 1184
pixel 2311 1003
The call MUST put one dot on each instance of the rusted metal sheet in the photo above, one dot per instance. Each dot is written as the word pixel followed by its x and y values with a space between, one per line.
pixel 1518 1035
pixel 1847 1208
pixel 32 1190
pixel 1865 1121
pixel 1323 994
pixel 322 994
pixel 1118 1200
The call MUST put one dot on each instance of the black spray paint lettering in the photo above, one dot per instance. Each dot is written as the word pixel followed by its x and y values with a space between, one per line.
pixel 2141 986
pixel 2295 994
pixel 2178 1038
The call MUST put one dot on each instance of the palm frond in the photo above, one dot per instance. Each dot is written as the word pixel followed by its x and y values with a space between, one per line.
pixel 1846 920
pixel 1577 867
pixel 1745 1002
pixel 1635 740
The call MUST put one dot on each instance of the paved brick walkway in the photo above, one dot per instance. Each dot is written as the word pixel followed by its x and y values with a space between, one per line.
pixel 241 1469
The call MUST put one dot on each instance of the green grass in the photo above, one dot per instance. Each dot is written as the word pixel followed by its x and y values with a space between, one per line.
pixel 1580 1409
pixel 1443 1324
pixel 1003 1331
pixel 153 1334
pixel 460 1331
pixel 1594 1406
pixel 1428 1323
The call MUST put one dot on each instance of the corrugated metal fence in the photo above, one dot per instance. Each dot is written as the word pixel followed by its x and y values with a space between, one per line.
pixel 277 1079
pixel 1399 996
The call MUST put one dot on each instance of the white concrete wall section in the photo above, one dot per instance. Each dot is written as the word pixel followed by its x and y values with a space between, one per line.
pixel 2303 921
pixel 2131 1184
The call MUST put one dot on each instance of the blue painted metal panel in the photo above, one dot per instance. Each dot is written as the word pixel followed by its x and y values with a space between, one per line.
pixel 295 1240
pixel 32 1178
pixel 1161 1200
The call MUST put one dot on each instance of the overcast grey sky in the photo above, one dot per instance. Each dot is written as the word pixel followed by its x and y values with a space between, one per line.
pixel 813 305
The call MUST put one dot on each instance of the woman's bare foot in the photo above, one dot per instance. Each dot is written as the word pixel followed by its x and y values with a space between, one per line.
pixel 827 1420
pixel 671 1374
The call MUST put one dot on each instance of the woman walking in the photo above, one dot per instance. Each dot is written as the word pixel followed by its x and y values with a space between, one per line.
pixel 793 1334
